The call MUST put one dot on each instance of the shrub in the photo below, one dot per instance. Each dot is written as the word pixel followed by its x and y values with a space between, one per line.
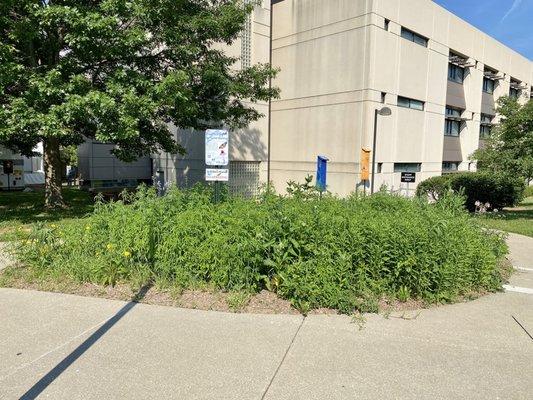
pixel 528 192
pixel 435 187
pixel 498 190
pixel 329 252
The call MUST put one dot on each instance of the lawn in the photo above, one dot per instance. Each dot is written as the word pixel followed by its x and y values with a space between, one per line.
pixel 516 220
pixel 20 209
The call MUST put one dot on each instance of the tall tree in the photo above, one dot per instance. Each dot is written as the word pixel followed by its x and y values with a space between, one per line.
pixel 510 146
pixel 120 71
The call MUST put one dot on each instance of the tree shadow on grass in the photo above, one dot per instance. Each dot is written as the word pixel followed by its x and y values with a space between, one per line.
pixel 28 207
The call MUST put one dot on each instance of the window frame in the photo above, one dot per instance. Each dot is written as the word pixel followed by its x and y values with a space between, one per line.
pixel 410 103
pixel 485 126
pixel 452 77
pixel 486 86
pixel 414 37
pixel 400 167
pixel 452 127
pixel 451 170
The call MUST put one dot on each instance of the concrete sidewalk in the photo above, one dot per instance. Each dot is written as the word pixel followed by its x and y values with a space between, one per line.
pixel 56 346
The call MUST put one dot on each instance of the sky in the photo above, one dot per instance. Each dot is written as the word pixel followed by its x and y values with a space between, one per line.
pixel 509 21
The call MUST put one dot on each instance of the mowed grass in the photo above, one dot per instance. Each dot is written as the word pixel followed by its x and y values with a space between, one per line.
pixel 516 220
pixel 18 210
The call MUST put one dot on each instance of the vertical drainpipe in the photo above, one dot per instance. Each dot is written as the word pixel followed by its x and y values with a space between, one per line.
pixel 270 100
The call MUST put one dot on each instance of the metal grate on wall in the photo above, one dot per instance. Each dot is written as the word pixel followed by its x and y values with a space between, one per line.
pixel 244 178
pixel 246 41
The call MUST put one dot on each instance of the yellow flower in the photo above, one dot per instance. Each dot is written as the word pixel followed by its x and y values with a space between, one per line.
pixel 28 241
pixel 109 246
pixel 87 227
pixel 126 254
pixel 53 226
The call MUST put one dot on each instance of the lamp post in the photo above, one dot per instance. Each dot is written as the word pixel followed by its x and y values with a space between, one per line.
pixel 384 112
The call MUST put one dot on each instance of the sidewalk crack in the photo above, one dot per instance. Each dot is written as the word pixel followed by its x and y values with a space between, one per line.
pixel 283 359
pixel 523 327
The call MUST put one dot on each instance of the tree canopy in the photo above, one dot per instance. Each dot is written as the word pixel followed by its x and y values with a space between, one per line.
pixel 509 148
pixel 121 71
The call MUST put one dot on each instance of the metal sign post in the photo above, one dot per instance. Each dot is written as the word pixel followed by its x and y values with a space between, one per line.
pixel 217 156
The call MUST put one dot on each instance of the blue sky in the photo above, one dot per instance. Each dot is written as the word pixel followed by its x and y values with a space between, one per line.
pixel 509 21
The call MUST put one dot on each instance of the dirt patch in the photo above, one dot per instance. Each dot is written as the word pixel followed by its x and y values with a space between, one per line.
pixel 267 302
pixel 264 302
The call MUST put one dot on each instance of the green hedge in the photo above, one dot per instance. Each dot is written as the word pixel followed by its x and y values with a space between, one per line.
pixel 498 190
pixel 337 253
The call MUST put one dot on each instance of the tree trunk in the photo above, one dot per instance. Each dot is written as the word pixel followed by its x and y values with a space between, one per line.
pixel 53 196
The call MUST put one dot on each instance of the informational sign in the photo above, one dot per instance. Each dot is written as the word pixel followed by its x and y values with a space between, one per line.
pixel 216 175
pixel 408 177
pixel 216 147
pixel 321 172
pixel 365 164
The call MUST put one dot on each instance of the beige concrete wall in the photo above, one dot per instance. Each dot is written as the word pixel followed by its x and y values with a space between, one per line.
pixel 320 47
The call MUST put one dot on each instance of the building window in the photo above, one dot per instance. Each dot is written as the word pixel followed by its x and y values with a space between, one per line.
pixel 453 123
pixel 455 73
pixel 410 103
pixel 414 37
pixel 450 166
pixel 488 85
pixel 380 167
pixel 407 167
pixel 486 126
pixel 383 97
pixel 514 93
pixel 386 24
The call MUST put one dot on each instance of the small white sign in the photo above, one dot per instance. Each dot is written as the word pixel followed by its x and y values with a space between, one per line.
pixel 216 147
pixel 216 175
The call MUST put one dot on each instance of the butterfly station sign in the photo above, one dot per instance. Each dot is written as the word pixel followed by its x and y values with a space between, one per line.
pixel 217 157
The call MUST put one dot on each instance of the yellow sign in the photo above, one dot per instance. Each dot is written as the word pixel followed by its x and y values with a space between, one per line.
pixel 365 164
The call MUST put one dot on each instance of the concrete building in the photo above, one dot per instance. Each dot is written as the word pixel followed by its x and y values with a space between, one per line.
pixel 342 59
pixel 339 61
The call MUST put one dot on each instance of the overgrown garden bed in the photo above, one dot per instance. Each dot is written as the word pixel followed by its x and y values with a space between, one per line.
pixel 342 254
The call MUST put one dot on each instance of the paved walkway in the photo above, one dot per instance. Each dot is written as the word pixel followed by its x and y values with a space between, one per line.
pixel 55 346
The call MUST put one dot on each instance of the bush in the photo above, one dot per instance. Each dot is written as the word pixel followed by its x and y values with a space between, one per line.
pixel 336 253
pixel 435 187
pixel 529 191
pixel 498 190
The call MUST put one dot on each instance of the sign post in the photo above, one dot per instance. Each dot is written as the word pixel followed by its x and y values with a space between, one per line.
pixel 217 156
pixel 408 177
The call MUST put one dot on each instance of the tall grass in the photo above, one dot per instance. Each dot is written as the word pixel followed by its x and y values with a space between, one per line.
pixel 326 252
